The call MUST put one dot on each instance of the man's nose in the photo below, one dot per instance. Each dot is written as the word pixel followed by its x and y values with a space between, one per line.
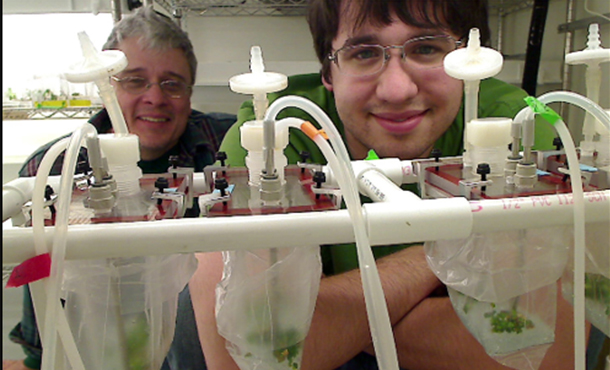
pixel 154 94
pixel 396 82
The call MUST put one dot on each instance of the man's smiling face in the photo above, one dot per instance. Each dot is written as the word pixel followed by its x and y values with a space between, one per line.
pixel 399 111
pixel 158 120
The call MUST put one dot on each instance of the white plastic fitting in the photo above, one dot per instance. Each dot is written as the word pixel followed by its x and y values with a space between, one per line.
pixel 591 56
pixel 259 83
pixel 489 139
pixel 472 64
pixel 123 154
pixel 594 53
pixel 252 139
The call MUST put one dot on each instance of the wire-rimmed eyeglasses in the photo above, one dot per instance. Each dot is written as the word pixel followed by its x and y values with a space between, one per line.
pixel 419 53
pixel 174 89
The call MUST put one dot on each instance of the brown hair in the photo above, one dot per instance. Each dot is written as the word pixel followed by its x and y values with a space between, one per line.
pixel 458 16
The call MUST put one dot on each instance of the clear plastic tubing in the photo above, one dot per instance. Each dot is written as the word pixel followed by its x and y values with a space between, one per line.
pixel 49 337
pixel 379 320
pixel 38 290
pixel 579 246
pixel 579 210
pixel 569 97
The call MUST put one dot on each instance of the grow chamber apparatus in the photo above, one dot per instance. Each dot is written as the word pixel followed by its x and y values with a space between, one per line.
pixel 495 230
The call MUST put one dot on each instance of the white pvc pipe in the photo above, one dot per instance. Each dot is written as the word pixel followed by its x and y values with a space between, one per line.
pixel 416 221
pixel 392 168
pixel 374 184
pixel 18 192
pixel 493 215
pixel 96 241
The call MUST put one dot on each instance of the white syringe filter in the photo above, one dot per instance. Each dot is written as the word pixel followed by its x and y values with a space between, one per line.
pixel 473 62
pixel 251 83
pixel 490 132
pixel 120 150
pixel 252 139
pixel 95 65
pixel 258 81
pixel 594 53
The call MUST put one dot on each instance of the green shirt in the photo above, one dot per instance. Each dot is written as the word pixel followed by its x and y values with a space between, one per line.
pixel 496 99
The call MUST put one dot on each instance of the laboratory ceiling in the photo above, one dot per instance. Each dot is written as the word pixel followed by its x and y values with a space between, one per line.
pixel 287 7
pixel 183 8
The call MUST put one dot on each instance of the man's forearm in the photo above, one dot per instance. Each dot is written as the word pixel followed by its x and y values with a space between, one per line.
pixel 340 327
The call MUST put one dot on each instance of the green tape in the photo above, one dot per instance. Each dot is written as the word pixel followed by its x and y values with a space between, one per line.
pixel 542 109
pixel 371 155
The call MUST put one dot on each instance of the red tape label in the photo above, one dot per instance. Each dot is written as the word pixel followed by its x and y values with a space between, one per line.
pixel 30 270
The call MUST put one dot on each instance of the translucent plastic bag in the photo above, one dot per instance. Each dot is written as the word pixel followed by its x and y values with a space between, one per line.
pixel 264 305
pixel 516 332
pixel 597 276
pixel 495 267
pixel 122 311
pixel 508 276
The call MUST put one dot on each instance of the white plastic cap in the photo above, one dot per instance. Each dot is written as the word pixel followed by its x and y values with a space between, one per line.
pixel 258 81
pixel 120 150
pixel 473 62
pixel 252 139
pixel 490 131
pixel 95 65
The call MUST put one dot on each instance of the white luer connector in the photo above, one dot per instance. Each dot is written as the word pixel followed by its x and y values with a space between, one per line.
pixel 264 151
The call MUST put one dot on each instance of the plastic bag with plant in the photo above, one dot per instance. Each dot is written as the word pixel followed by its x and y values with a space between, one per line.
pixel 264 305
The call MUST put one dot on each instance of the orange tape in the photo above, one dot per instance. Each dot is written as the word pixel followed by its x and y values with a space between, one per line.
pixel 311 131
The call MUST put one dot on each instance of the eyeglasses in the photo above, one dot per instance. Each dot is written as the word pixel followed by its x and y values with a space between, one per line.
pixel 137 85
pixel 419 53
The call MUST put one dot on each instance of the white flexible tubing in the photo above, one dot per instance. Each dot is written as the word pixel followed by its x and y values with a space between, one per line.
pixel 585 103
pixel 289 122
pixel 569 97
pixel 579 246
pixel 379 320
pixel 58 252
pixel 44 168
pixel 39 288
pixel 579 210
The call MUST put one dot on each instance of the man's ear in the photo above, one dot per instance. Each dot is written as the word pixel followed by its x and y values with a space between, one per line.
pixel 327 83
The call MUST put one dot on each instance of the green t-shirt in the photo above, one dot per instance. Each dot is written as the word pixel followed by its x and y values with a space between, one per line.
pixel 496 99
